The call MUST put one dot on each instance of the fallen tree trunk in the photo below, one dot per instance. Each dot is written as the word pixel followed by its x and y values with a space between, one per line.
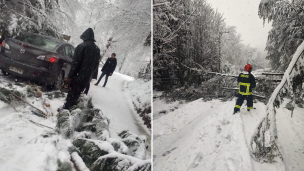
pixel 236 76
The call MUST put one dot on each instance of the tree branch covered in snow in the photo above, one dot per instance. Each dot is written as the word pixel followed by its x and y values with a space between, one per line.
pixel 264 141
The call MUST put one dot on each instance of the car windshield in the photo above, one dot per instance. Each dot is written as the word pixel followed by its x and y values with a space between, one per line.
pixel 42 42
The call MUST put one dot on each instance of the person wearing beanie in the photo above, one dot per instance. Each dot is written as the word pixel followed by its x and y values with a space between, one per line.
pixel 246 85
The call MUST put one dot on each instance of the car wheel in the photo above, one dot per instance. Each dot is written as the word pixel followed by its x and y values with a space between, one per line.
pixel 5 73
pixel 59 81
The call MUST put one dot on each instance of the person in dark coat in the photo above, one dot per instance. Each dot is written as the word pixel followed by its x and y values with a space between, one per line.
pixel 95 75
pixel 246 85
pixel 85 62
pixel 108 69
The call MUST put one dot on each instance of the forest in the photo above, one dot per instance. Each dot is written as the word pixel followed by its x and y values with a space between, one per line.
pixel 191 40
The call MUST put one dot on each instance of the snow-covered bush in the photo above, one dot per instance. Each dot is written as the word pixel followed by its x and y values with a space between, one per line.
pixel 64 123
pixel 120 162
pixel 136 144
pixel 7 95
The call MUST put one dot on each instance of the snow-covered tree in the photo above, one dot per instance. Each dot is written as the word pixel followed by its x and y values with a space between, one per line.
pixel 285 44
pixel 287 29
pixel 28 16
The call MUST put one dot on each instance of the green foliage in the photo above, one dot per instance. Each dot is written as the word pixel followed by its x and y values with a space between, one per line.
pixel 64 166
pixel 6 95
pixel 64 126
pixel 88 151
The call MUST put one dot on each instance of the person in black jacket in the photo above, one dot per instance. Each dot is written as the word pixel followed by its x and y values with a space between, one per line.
pixel 85 62
pixel 246 85
pixel 108 69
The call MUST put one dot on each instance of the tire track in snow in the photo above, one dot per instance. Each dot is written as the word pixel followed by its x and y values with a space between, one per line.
pixel 240 160
pixel 210 142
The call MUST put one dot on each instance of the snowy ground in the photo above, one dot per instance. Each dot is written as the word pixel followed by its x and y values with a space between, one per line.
pixel 28 146
pixel 206 136
pixel 117 104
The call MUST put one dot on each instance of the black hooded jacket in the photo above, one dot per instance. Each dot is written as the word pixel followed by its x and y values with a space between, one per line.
pixel 86 59
pixel 109 66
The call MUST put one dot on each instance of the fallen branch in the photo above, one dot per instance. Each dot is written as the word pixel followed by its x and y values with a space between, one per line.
pixel 236 76
pixel 30 104
pixel 273 73
pixel 226 75
pixel 10 102
pixel 40 124
pixel 79 165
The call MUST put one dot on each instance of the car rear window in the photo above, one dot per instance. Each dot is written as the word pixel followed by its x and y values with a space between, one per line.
pixel 42 42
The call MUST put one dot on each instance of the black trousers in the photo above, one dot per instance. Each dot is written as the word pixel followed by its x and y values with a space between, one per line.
pixel 73 94
pixel 103 74
pixel 240 101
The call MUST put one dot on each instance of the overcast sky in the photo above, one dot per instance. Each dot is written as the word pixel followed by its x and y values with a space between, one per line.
pixel 244 15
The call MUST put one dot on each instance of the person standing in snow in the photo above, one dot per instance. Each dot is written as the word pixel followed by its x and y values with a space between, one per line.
pixel 108 69
pixel 246 85
pixel 85 62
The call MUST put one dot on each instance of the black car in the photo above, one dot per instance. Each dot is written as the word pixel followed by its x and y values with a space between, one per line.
pixel 35 57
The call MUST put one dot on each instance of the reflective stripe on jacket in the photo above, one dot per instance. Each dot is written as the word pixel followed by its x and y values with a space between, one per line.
pixel 246 84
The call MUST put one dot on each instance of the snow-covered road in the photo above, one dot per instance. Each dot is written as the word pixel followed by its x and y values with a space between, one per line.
pixel 27 146
pixel 115 102
pixel 206 136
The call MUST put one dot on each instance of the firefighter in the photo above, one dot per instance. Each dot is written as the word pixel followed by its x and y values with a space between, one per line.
pixel 246 85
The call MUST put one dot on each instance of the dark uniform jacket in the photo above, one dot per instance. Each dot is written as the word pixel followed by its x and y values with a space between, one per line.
pixel 109 66
pixel 246 83
pixel 85 60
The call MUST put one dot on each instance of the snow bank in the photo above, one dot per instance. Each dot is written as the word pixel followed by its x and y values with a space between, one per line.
pixel 140 92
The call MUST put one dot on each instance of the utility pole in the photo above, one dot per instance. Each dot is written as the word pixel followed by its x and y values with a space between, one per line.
pixel 220 58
